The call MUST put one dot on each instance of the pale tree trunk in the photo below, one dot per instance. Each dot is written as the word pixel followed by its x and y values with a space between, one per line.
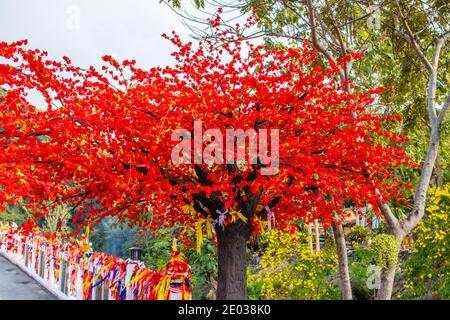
pixel 387 283
pixel 310 237
pixel 399 229
pixel 343 75
pixel 438 179
pixel 317 235
pixel 341 248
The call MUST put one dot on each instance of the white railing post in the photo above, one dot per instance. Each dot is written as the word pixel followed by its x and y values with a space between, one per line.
pixel 79 284
pixel 51 277
pixel 130 268
pixel 33 258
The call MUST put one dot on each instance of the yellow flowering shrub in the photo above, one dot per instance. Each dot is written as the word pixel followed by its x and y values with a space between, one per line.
pixel 428 268
pixel 289 270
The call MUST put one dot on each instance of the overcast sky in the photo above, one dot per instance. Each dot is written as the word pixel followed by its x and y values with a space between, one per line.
pixel 85 30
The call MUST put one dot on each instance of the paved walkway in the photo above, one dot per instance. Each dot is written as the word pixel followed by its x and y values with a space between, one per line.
pixel 17 285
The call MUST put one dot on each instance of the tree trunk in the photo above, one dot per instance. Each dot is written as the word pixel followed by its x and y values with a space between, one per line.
pixel 438 179
pixel 386 283
pixel 232 261
pixel 317 235
pixel 341 249
pixel 310 241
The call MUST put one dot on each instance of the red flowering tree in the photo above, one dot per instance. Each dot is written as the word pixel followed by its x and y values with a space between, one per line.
pixel 104 141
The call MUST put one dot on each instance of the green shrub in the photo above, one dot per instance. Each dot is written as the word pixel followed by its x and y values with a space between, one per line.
pixel 385 249
pixel 358 278
pixel 359 262
pixel 358 234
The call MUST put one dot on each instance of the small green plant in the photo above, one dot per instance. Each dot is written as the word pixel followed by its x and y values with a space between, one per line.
pixel 254 288
pixel 358 277
pixel 329 245
pixel 360 261
pixel 385 249
pixel 358 234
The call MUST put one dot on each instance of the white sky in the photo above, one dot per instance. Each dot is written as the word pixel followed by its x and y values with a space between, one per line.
pixel 85 30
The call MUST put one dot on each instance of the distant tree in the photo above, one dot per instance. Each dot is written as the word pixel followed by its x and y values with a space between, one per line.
pixel 56 220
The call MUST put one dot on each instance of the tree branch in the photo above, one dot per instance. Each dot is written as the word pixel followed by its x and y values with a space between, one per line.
pixel 437 51
pixel 444 109
pixel 413 41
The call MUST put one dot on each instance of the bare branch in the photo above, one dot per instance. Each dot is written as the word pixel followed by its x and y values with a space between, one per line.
pixel 312 22
pixel 393 222
pixel 418 210
pixel 413 41
pixel 439 46
pixel 316 43
pixel 443 110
